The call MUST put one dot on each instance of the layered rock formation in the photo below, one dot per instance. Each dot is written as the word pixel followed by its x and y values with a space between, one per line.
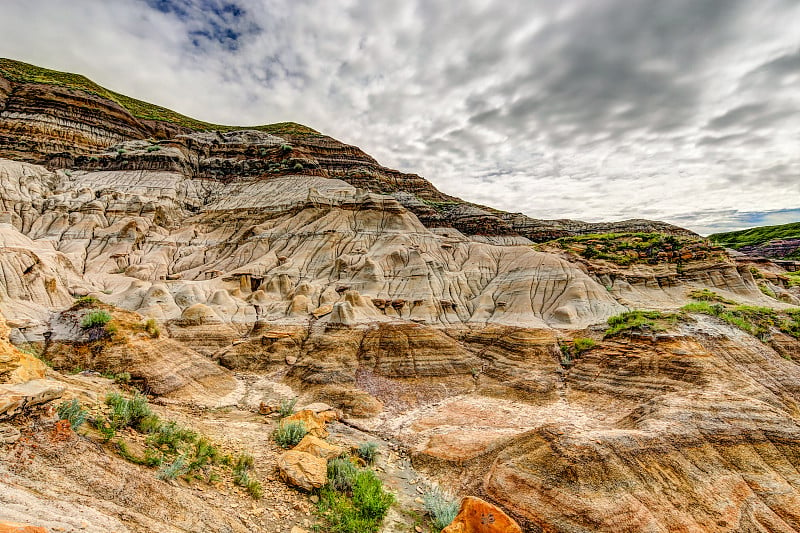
pixel 284 254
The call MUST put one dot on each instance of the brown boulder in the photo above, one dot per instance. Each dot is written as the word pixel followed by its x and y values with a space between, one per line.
pixel 478 516
pixel 15 527
pixel 303 470
pixel 315 424
pixel 318 447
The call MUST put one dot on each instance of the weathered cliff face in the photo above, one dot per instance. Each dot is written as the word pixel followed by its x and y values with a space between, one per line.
pixel 702 436
pixel 302 262
pixel 160 242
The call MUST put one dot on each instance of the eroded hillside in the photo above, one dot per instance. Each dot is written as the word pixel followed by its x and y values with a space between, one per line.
pixel 277 262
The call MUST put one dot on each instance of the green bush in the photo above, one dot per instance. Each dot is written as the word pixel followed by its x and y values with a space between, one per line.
pixel 361 511
pixel 151 328
pixel 367 451
pixel 341 474
pixel 286 407
pixel 286 148
pixel 641 320
pixel 127 411
pixel 289 434
pixel 95 319
pixel 73 413
pixel 174 469
pixel 171 436
pixel 441 506
pixel 241 476
pixel 85 301
pixel 153 148
pixel 582 344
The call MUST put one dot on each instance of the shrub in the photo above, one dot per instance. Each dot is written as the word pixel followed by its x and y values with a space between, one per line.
pixel 298 166
pixel 362 511
pixel 173 470
pixel 151 328
pixel 172 436
pixel 341 474
pixel 286 407
pixel 290 433
pixel 153 148
pixel 286 148
pixel 367 451
pixel 72 412
pixel 95 319
pixel 85 301
pixel 650 320
pixel 582 344
pixel 441 506
pixel 369 497
pixel 127 412
pixel 241 476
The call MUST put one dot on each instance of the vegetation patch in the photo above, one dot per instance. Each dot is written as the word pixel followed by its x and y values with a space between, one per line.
pixel 367 451
pixel 757 321
pixel 353 501
pixel 73 413
pixel 288 434
pixel 756 236
pixel 286 407
pixel 642 321
pixel 706 295
pixel 639 248
pixel 441 506
pixel 173 450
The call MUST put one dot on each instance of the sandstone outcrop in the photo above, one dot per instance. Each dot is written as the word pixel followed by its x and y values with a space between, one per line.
pixel 478 516
pixel 16 398
pixel 17 366
pixel 16 527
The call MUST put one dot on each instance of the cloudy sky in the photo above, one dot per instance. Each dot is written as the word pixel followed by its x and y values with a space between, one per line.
pixel 681 110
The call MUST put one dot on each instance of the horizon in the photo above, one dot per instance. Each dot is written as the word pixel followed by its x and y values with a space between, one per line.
pixel 695 125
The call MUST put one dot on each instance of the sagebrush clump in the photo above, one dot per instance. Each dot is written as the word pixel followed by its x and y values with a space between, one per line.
pixel 288 434
pixel 441 506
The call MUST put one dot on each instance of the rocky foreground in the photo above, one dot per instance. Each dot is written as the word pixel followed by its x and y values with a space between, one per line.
pixel 277 263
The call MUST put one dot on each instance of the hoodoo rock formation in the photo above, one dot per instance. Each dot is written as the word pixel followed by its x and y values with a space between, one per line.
pixel 279 256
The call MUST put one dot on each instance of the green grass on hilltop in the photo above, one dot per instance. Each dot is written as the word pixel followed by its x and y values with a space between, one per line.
pixel 755 236
pixel 631 248
pixel 26 73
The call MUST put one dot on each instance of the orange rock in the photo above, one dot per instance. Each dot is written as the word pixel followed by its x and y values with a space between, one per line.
pixel 16 366
pixel 478 516
pixel 315 424
pixel 15 527
pixel 318 447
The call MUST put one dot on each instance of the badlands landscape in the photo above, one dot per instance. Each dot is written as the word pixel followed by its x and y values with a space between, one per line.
pixel 618 377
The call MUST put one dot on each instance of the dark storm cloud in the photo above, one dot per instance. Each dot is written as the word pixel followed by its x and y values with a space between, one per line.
pixel 590 109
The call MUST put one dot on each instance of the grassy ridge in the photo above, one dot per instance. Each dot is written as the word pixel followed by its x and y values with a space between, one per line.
pixel 26 73
pixel 755 236
pixel 632 248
